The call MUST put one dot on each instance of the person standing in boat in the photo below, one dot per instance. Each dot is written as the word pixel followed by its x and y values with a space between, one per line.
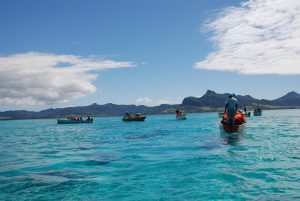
pixel 245 109
pixel 231 107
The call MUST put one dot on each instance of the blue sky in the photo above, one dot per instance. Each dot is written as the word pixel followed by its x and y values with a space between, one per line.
pixel 158 51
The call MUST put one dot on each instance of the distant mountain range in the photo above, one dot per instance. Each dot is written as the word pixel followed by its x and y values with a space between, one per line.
pixel 210 101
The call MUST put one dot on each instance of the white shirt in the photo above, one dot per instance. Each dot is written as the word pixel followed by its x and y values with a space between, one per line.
pixel 231 103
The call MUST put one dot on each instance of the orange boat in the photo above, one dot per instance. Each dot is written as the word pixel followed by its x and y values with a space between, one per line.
pixel 238 125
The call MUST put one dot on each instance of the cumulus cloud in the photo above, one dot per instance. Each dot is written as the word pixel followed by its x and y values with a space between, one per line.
pixel 164 101
pixel 151 102
pixel 144 100
pixel 30 79
pixel 258 37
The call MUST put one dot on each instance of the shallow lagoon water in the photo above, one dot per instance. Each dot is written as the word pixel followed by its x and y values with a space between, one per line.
pixel 159 159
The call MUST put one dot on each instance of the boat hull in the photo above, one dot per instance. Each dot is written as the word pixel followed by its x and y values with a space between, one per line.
pixel 135 119
pixel 232 128
pixel 68 121
pixel 182 117
pixel 257 113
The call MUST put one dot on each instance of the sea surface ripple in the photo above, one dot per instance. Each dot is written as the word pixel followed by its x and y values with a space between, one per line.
pixel 159 159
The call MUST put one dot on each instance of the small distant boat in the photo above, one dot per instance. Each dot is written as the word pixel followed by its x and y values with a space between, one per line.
pixel 180 115
pixel 137 117
pixel 257 112
pixel 70 121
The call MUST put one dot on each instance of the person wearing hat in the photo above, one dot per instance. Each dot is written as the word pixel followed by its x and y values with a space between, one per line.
pixel 231 107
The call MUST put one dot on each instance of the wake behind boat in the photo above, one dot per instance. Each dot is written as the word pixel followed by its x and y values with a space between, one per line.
pixel 137 117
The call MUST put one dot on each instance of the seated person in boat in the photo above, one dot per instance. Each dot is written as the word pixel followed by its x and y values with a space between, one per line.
pixel 127 115
pixel 257 108
pixel 231 107
pixel 178 113
pixel 238 119
pixel 89 119
pixel 72 118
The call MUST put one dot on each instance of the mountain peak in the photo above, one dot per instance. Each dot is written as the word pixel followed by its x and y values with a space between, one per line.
pixel 291 98
pixel 210 92
pixel 292 93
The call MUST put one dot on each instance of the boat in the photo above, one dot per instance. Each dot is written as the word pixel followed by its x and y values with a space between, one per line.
pixel 137 117
pixel 233 128
pixel 180 115
pixel 71 121
pixel 237 126
pixel 248 114
pixel 257 111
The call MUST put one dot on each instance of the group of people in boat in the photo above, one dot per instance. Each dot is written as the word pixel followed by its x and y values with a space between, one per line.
pixel 257 108
pixel 79 118
pixel 129 115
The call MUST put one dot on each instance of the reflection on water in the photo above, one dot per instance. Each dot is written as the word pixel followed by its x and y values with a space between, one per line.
pixel 232 138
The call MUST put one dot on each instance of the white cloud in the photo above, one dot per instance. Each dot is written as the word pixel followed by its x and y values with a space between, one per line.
pixel 31 79
pixel 259 37
pixel 151 102
pixel 163 101
pixel 144 100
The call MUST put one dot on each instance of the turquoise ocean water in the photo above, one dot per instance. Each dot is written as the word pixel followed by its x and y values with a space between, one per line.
pixel 159 159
